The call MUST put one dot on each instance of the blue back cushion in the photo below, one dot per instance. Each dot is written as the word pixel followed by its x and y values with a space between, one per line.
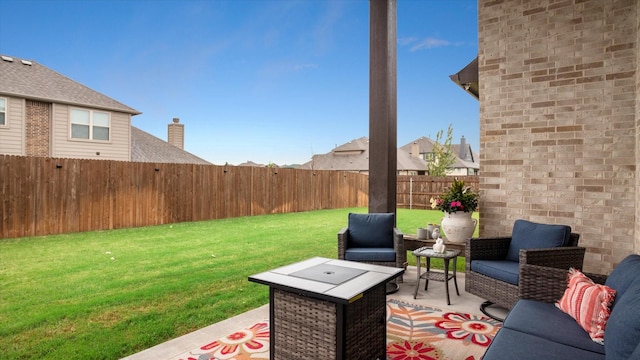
pixel 371 230
pixel 530 235
pixel 622 334
pixel 623 275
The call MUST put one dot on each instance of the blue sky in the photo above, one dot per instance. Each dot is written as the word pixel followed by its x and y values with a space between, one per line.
pixel 261 80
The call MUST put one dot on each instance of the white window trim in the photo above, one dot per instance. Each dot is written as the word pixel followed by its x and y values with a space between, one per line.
pixel 6 110
pixel 91 111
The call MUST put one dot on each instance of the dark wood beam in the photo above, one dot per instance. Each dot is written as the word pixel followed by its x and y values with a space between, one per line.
pixel 383 131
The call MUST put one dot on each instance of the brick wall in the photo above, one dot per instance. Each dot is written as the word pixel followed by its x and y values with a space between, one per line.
pixel 37 134
pixel 559 120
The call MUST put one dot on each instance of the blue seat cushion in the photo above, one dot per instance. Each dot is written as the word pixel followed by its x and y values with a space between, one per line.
pixel 507 271
pixel 370 230
pixel 622 333
pixel 526 316
pixel 370 254
pixel 530 235
pixel 636 353
pixel 623 275
pixel 511 344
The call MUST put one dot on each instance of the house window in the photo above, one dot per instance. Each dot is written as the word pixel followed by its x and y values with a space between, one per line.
pixel 3 111
pixel 90 124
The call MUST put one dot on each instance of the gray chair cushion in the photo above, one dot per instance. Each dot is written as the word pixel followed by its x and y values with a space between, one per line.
pixel 370 230
pixel 558 326
pixel 623 275
pixel 622 333
pixel 508 271
pixel 370 254
pixel 530 235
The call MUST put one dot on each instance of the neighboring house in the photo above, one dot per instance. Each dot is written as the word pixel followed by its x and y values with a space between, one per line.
pixel 251 163
pixel 467 162
pixel 44 113
pixel 148 148
pixel 255 164
pixel 354 157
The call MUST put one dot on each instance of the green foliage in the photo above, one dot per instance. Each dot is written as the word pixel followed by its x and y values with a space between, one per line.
pixel 109 294
pixel 442 154
pixel 458 197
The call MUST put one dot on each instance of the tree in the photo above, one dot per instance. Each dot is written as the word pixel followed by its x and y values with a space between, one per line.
pixel 442 156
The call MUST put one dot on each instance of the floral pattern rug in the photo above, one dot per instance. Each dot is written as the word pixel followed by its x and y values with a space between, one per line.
pixel 417 332
pixel 414 332
pixel 245 344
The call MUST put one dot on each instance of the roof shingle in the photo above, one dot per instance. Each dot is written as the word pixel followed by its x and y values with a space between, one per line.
pixel 28 79
pixel 148 148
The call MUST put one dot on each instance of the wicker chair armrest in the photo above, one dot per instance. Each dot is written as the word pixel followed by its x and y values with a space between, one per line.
pixel 557 257
pixel 542 283
pixel 398 246
pixel 547 284
pixel 343 235
pixel 485 248
pixel 597 278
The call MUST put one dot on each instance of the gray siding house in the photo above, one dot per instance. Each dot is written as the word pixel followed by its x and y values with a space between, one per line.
pixel 412 158
pixel 44 113
pixel 467 162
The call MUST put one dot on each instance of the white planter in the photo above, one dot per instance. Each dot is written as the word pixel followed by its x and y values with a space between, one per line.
pixel 458 226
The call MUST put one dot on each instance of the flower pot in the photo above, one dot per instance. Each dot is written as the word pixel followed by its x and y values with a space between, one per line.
pixel 423 234
pixel 458 226
pixel 430 228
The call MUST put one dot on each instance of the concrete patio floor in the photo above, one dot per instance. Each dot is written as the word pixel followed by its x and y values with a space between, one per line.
pixel 435 296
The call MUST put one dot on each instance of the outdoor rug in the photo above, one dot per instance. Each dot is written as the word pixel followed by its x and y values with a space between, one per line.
pixel 414 332
pixel 419 332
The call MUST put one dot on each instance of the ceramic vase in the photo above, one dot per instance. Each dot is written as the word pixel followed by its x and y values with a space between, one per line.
pixel 458 226
pixel 430 228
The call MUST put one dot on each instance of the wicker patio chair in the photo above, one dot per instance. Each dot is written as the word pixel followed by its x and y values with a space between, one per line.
pixel 373 239
pixel 547 284
pixel 497 251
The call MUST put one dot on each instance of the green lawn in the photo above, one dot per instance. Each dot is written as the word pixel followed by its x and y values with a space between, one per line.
pixel 108 294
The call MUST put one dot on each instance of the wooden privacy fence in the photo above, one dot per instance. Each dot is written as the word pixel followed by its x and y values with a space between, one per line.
pixel 416 191
pixel 41 196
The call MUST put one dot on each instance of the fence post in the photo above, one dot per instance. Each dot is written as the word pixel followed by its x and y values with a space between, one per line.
pixel 411 193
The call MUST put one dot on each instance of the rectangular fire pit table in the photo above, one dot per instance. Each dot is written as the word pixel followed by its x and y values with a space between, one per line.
pixel 328 309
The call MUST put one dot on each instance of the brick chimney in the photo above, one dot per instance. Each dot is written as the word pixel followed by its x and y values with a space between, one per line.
pixel 463 148
pixel 176 133
pixel 415 150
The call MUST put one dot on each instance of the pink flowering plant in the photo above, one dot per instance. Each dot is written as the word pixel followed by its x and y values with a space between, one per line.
pixel 458 197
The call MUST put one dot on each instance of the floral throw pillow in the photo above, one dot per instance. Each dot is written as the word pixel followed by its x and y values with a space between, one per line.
pixel 588 303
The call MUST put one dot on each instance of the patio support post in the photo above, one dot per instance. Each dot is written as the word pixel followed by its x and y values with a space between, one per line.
pixel 382 106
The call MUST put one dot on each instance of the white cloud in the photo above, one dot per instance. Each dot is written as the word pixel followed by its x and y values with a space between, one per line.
pixel 431 43
pixel 305 66
pixel 406 41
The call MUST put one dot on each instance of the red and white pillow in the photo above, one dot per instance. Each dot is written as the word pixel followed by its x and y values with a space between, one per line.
pixel 588 303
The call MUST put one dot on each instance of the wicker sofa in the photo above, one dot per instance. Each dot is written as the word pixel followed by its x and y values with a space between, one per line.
pixel 536 329
pixel 500 284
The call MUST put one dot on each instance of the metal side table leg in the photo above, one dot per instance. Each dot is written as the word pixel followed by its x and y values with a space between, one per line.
pixel 455 280
pixel 427 260
pixel 446 279
pixel 415 294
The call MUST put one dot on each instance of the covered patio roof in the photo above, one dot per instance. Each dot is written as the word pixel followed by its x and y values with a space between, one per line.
pixel 467 78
